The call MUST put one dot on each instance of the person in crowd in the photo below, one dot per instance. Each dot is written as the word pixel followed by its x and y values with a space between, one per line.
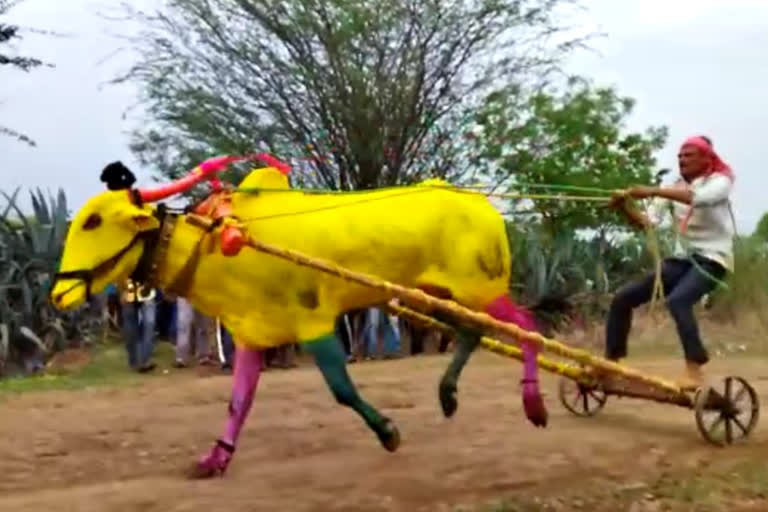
pixel 138 327
pixel 192 329
pixel 379 325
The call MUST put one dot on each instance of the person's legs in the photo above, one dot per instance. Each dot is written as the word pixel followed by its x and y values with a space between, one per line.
pixel 692 286
pixel 227 347
pixel 147 343
pixel 173 320
pixel 391 335
pixel 629 297
pixel 418 333
pixel 357 327
pixel 289 355
pixel 445 340
pixel 184 316
pixel 371 333
pixel 130 330
pixel 201 329
pixel 342 332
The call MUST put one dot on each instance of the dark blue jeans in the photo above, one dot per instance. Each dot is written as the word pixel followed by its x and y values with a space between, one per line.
pixel 139 332
pixel 684 286
pixel 378 323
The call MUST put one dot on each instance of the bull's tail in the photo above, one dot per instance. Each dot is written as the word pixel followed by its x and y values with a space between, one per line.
pixel 550 313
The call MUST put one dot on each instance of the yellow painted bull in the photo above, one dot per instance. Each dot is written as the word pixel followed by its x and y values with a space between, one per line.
pixel 450 244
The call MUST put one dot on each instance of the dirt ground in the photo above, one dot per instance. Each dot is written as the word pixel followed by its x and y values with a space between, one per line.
pixel 127 449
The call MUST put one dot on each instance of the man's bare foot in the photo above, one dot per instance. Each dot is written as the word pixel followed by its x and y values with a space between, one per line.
pixel 692 379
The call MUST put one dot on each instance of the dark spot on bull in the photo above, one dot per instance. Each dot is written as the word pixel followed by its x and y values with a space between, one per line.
pixel 482 266
pixel 274 294
pixel 491 266
pixel 308 299
pixel 92 222
pixel 465 220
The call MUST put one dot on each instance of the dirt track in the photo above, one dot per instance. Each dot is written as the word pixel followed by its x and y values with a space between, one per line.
pixel 126 450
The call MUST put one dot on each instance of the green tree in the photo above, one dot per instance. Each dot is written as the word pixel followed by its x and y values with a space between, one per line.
pixel 574 138
pixel 363 93
pixel 8 33
pixel 761 231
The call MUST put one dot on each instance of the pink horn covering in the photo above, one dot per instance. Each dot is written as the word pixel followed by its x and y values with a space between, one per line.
pixel 207 170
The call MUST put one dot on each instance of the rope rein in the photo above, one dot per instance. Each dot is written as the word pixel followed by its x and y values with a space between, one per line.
pixel 596 195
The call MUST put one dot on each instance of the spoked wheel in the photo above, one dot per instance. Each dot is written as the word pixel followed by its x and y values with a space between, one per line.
pixel 580 399
pixel 727 413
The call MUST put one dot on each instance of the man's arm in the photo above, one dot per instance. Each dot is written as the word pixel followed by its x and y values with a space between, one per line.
pixel 680 195
pixel 713 190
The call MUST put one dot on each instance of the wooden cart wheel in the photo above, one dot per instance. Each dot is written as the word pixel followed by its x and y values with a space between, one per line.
pixel 727 413
pixel 580 399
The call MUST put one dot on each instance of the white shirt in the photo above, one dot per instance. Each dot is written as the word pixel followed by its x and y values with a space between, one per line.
pixel 710 229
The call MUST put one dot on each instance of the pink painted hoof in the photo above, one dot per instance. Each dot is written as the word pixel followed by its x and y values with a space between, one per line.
pixel 533 404
pixel 213 464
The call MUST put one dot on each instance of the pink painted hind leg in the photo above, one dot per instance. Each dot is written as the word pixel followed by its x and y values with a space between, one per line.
pixel 505 310
pixel 245 381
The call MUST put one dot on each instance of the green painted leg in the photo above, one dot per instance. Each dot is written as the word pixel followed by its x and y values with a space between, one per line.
pixel 330 359
pixel 467 342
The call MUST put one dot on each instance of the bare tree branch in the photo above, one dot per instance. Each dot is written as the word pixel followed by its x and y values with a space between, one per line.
pixel 362 93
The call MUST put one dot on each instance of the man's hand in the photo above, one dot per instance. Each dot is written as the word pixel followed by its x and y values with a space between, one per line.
pixel 621 200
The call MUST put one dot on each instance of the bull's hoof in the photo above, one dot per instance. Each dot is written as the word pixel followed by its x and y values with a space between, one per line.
pixel 448 400
pixel 214 464
pixel 389 436
pixel 201 471
pixel 533 404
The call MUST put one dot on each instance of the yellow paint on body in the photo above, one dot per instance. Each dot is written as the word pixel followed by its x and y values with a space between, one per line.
pixel 415 236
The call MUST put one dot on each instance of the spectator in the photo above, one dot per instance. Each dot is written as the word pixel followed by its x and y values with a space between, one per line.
pixel 165 311
pixel 138 317
pixel 280 357
pixel 380 325
pixel 190 323
pixel 113 306
pixel 344 332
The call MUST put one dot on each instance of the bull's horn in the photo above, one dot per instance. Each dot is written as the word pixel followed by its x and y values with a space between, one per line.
pixel 274 162
pixel 206 170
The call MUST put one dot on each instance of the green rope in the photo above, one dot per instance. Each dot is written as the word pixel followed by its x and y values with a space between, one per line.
pixel 572 188
pixel 653 242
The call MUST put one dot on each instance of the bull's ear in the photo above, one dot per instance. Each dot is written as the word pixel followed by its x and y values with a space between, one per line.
pixel 139 219
pixel 145 221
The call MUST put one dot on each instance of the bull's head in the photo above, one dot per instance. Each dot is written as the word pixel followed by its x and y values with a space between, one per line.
pixel 109 234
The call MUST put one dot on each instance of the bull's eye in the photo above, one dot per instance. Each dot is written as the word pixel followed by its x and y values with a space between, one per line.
pixel 92 222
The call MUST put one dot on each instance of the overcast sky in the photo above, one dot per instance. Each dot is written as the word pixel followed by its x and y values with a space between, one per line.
pixel 696 66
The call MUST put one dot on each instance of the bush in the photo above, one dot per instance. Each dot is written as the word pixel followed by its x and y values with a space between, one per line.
pixel 30 246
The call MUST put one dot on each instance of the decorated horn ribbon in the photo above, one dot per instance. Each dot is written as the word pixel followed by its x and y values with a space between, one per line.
pixel 206 170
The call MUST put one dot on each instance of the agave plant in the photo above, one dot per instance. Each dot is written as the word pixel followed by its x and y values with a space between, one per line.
pixel 549 272
pixel 30 246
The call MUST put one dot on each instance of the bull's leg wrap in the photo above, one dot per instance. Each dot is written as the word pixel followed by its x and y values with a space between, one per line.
pixel 331 360
pixel 505 310
pixel 467 341
pixel 246 379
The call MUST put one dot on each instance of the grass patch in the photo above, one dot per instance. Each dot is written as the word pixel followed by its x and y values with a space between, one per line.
pixel 108 367
pixel 734 485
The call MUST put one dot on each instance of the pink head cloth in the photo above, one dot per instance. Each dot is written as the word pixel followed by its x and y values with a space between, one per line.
pixel 716 166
